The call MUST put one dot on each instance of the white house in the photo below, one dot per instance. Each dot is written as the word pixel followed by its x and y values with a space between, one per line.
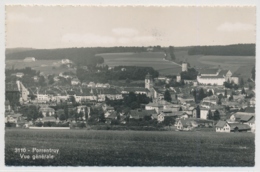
pixel 19 75
pixel 65 61
pixel 75 81
pixel 186 124
pixel 29 59
pixel 224 126
pixel 91 85
pixel 156 106
pixel 216 77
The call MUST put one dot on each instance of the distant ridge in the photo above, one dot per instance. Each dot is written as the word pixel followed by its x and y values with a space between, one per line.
pixel 15 50
pixel 227 50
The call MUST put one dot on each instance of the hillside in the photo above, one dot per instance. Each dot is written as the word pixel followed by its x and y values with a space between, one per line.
pixel 227 50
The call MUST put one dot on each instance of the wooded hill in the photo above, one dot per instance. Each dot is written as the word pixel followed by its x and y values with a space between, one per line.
pixel 227 50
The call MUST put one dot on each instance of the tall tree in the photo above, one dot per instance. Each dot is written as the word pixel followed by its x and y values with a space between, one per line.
pixel 202 95
pixel 253 73
pixel 210 116
pixel 171 51
pixel 243 91
pixel 225 93
pixel 167 96
pixel 231 97
pixel 210 93
pixel 241 83
pixel 198 111
pixel 216 115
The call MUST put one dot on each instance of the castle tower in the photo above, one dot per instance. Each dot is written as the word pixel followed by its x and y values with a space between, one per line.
pixel 148 81
pixel 184 67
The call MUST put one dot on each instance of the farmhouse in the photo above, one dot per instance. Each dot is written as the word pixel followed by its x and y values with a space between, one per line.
pixel 172 114
pixel 12 117
pixel 186 124
pixel 140 114
pixel 223 126
pixel 47 111
pixel 154 106
pixel 19 75
pixel 215 77
pixel 29 59
pixel 65 61
pixel 241 117
pixel 75 81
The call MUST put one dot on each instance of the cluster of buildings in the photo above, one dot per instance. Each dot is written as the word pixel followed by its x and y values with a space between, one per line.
pixel 182 107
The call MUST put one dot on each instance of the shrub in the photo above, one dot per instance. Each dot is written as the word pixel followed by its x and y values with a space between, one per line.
pixel 8 124
pixel 39 124
pixel 81 125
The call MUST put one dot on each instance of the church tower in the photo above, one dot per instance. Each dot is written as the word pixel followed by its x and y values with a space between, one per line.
pixel 184 67
pixel 148 81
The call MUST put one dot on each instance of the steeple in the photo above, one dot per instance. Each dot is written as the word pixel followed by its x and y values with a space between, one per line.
pixel 148 81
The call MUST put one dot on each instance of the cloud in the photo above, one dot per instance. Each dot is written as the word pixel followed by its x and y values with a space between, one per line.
pixel 20 17
pixel 126 32
pixel 235 27
pixel 92 39
pixel 88 38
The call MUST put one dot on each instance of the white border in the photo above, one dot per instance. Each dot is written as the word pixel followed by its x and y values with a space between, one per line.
pixel 118 2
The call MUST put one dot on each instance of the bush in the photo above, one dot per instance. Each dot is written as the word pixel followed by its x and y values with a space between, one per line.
pixel 81 125
pixel 39 124
pixel 8 124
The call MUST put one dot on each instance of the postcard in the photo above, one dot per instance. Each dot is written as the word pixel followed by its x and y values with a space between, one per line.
pixel 130 86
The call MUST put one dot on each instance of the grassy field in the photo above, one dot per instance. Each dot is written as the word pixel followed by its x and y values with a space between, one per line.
pixel 156 60
pixel 132 148
pixel 148 59
pixel 46 66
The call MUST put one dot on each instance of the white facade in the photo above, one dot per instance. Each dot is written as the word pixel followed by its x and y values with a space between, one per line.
pixel 204 113
pixel 225 129
pixel 212 81
pixel 29 59
pixel 148 83
pixel 65 61
pixel 178 78
pixel 184 67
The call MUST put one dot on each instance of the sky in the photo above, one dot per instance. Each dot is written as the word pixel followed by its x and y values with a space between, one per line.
pixel 91 26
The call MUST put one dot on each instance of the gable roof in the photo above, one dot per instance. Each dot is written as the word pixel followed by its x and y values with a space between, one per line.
pixel 250 109
pixel 112 115
pixel 221 124
pixel 208 71
pixel 49 119
pixel 246 118
pixel 154 105
pixel 134 89
pixel 137 114
pixel 239 126
pixel 186 122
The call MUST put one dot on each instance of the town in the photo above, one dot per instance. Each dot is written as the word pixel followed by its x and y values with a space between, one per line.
pixel 130 97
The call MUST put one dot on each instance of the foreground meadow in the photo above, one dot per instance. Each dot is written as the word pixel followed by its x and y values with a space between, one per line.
pixel 131 148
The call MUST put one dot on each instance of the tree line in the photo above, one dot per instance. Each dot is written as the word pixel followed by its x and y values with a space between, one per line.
pixel 225 50
pixel 118 73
